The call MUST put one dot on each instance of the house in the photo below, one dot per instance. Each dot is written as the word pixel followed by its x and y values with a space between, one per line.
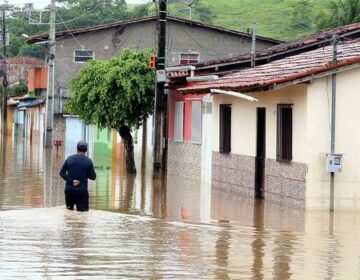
pixel 277 147
pixel 279 51
pixel 189 143
pixel 19 67
pixel 188 42
pixel 28 115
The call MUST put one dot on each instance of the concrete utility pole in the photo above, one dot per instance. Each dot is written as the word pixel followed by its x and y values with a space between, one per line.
pixel 4 74
pixel 335 41
pixel 160 86
pixel 49 114
pixel 253 45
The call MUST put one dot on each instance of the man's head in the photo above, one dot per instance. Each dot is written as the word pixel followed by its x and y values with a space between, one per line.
pixel 82 146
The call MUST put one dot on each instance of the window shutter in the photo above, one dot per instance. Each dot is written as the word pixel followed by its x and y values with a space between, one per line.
pixel 196 122
pixel 225 129
pixel 179 121
pixel 284 132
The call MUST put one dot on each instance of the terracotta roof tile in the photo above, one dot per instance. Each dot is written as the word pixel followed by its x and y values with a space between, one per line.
pixel 316 39
pixel 283 70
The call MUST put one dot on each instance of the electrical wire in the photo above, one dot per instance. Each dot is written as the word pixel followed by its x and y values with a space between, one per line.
pixel 118 28
pixel 84 14
pixel 81 46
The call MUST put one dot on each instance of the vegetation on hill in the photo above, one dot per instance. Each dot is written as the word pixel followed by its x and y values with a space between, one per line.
pixel 278 19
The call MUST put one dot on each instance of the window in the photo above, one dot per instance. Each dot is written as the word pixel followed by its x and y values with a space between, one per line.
pixel 189 58
pixel 83 55
pixel 179 121
pixel 225 129
pixel 284 132
pixel 196 122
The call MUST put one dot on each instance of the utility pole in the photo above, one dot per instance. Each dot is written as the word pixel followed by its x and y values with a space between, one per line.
pixel 4 74
pixel 335 40
pixel 160 86
pixel 191 3
pixel 49 114
pixel 253 45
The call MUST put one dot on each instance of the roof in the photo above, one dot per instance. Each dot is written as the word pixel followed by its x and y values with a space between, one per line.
pixel 44 37
pixel 292 46
pixel 25 60
pixel 30 103
pixel 290 69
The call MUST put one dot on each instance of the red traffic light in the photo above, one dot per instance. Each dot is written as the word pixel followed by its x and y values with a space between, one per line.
pixel 152 62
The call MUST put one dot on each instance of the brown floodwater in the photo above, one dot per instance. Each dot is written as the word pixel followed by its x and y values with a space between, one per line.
pixel 152 226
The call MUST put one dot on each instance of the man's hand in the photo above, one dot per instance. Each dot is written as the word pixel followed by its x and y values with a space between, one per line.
pixel 76 183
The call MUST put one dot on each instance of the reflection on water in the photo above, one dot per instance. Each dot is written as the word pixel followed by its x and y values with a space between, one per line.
pixel 152 226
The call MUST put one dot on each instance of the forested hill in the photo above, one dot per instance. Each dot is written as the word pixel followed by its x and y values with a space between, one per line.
pixel 279 19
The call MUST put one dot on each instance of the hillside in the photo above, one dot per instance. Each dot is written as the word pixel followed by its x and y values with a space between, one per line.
pixel 279 19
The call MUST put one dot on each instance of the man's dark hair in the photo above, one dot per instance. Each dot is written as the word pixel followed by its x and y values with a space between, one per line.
pixel 82 146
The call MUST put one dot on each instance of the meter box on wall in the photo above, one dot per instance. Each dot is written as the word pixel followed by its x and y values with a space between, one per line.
pixel 334 163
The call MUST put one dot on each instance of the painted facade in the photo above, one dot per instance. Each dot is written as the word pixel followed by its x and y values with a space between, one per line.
pixel 292 119
pixel 235 172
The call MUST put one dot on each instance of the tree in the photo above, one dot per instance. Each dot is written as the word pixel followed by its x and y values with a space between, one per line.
pixel 117 94
pixel 339 13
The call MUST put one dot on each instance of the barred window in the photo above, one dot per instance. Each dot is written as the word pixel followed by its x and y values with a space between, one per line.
pixel 189 58
pixel 83 55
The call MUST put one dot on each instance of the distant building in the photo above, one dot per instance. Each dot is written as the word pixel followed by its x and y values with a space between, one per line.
pixel 188 42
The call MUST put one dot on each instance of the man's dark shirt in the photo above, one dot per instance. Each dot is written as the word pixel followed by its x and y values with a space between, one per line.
pixel 77 167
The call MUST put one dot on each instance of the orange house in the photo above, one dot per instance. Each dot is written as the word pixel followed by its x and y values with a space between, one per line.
pixel 37 79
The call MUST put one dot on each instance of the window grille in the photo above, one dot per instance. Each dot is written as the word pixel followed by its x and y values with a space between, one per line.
pixel 83 55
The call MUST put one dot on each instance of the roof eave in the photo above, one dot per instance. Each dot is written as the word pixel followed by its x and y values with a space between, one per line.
pixel 298 78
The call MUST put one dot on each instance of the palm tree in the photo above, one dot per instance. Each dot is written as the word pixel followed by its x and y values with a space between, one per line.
pixel 340 12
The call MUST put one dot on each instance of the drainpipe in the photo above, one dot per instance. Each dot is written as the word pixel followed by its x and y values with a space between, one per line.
pixel 333 119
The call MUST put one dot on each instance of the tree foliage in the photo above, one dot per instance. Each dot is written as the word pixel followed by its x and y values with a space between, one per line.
pixel 70 14
pixel 339 13
pixel 114 93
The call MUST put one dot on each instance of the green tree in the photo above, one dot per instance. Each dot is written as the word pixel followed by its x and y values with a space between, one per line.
pixel 116 93
pixel 339 13
pixel 301 18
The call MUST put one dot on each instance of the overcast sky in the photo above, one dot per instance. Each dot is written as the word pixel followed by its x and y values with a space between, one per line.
pixel 41 3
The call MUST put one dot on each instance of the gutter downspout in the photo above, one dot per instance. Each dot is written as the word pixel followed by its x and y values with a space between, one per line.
pixel 333 120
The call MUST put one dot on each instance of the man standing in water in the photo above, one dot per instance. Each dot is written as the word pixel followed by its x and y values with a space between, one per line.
pixel 76 171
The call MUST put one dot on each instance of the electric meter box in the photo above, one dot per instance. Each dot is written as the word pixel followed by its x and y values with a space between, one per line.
pixel 334 163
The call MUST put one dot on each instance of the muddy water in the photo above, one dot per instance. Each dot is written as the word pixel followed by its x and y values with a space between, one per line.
pixel 155 227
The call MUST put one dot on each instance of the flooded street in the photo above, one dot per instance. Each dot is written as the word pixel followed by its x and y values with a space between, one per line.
pixel 150 226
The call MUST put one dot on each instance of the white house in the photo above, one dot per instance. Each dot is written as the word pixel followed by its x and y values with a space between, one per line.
pixel 276 147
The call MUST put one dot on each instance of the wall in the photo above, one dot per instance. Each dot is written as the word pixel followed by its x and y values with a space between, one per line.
pixel 347 142
pixel 37 79
pixel 285 182
pixel 184 158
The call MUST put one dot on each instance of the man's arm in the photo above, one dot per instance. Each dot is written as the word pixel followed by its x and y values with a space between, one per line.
pixel 92 173
pixel 64 175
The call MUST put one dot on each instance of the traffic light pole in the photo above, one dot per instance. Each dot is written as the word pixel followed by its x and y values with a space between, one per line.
pixel 4 74
pixel 49 114
pixel 160 87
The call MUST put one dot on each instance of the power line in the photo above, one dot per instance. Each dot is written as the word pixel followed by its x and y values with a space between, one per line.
pixel 69 29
